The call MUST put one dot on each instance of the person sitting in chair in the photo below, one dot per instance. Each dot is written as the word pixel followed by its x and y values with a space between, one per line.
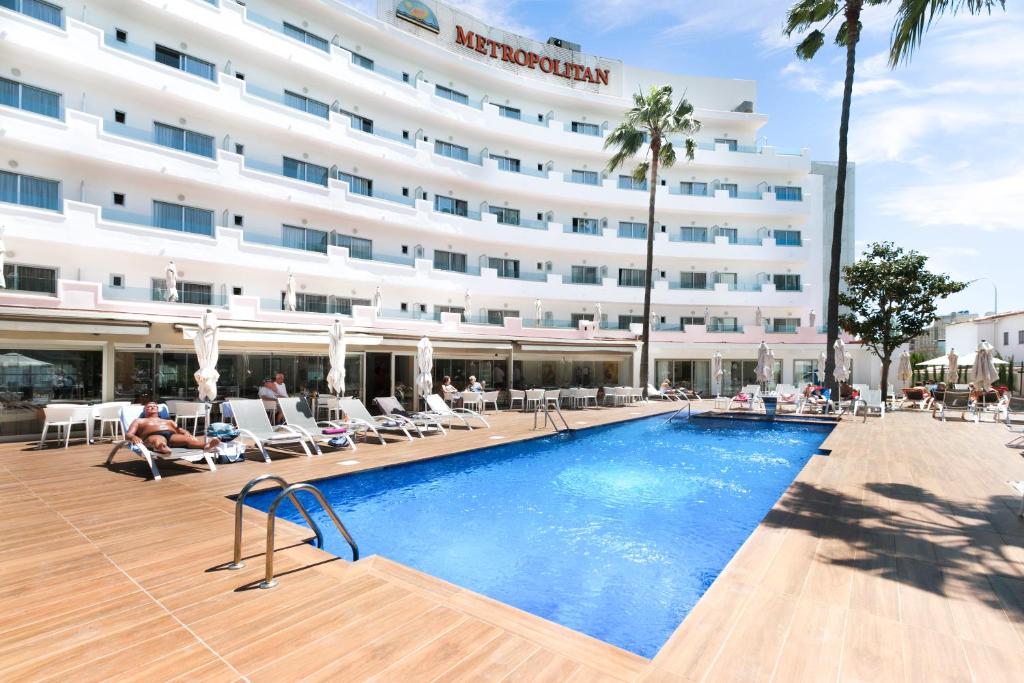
pixel 160 434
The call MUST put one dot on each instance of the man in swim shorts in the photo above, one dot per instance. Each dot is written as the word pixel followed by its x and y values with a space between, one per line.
pixel 160 435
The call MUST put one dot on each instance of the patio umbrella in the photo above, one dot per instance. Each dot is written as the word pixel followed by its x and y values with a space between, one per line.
pixel 983 372
pixel 290 296
pixel 538 311
pixel 424 364
pixel 3 256
pixel 771 365
pixel 903 371
pixel 467 304
pixel 171 282
pixel 820 374
pixel 378 301
pixel 841 372
pixel 716 373
pixel 964 361
pixel 763 371
pixel 336 355
pixel 597 314
pixel 952 367
pixel 758 317
pixel 811 317
pixel 207 352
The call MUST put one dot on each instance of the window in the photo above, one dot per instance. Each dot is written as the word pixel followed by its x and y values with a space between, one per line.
pixel 185 140
pixel 626 320
pixel 628 182
pixel 586 226
pixel 30 278
pixel 119 116
pixel 359 122
pixel 302 170
pixel 453 95
pixel 495 317
pixel 631 230
pixel 357 246
pixel 343 305
pixel 697 321
pixel 506 163
pixel 239 149
pixel 585 128
pixel 584 275
pixel 576 318
pixel 304 36
pixel 439 309
pixel 448 149
pixel 584 177
pixel 184 62
pixel 29 97
pixel 308 303
pixel 239 220
pixel 505 215
pixel 118 199
pixel 1020 336
pixel 732 188
pixel 37 9
pixel 29 191
pixel 786 283
pixel 787 238
pixel 506 267
pixel 693 280
pixel 632 277
pixel 306 104
pixel 785 324
pixel 1006 338
pixel 695 189
pixel 360 60
pixel 449 260
pixel 184 218
pixel 120 35
pixel 456 207
pixel 726 279
pixel 788 194
pixel 693 234
pixel 509 112
pixel 116 281
pixel 306 239
pixel 729 143
pixel 357 184
pixel 731 234
pixel 727 324
pixel 188 292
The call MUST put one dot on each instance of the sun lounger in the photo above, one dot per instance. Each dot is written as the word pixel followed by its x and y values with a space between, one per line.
pixel 441 410
pixel 956 400
pixel 423 422
pixel 359 420
pixel 1014 418
pixel 749 395
pixel 659 394
pixel 870 400
pixel 131 413
pixel 298 415
pixel 254 425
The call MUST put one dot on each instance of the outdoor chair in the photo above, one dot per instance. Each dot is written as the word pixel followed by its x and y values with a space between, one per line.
pixel 329 405
pixel 108 414
pixel 1014 419
pixel 440 409
pixel 749 394
pixel 917 397
pixel 422 422
pixel 659 394
pixel 359 420
pixel 192 411
pixel 514 396
pixel 473 400
pixel 127 415
pixel 64 416
pixel 299 416
pixel 533 398
pixel 490 397
pixel 870 400
pixel 956 400
pixel 253 424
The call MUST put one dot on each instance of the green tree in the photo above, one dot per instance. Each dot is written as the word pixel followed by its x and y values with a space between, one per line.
pixel 652 121
pixel 891 298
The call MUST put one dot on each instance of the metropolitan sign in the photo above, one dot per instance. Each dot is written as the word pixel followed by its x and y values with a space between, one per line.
pixel 531 60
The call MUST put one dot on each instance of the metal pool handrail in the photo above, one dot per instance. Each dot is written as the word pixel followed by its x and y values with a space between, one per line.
pixel 681 408
pixel 239 507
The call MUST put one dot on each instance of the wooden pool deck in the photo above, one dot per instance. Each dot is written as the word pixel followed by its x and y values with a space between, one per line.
pixel 898 557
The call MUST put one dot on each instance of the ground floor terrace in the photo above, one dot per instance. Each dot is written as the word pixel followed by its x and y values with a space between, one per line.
pixel 898 556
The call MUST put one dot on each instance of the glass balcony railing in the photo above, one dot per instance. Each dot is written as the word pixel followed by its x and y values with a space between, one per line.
pixel 725 327
pixel 186 296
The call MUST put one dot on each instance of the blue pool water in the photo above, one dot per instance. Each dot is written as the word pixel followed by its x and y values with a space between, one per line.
pixel 614 531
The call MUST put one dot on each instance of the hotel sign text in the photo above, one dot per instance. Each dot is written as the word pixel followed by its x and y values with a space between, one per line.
pixel 531 60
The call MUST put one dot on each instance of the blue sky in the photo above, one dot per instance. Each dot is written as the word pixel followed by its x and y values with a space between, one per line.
pixel 939 144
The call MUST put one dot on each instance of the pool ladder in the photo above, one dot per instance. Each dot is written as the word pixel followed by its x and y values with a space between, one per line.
pixel 288 492
pixel 542 407
pixel 680 412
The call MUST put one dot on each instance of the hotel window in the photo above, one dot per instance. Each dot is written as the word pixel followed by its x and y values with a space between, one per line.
pixel 731 234
pixel 449 260
pixel 788 238
pixel 30 278
pixel 357 246
pixel 509 112
pixel 785 324
pixel 184 62
pixel 1006 338
pixel 304 36
pixel 357 184
pixel 307 239
pixel 586 128
pixel 576 318
pixel 631 230
pixel 360 60
pixel 28 97
pixel 805 371
pixel 359 122
pixel 694 189
pixel 188 292
pixel 584 177
pixel 183 218
pixel 307 303
pixel 731 144
pixel 788 194
pixel 506 163
pixel 696 321
pixel 693 234
pixel 726 279
pixel 343 305
pixel 496 317
pixel 732 188
pixel 306 104
pixel 506 267
pixel 1020 336
pixel 37 9
pixel 632 277
pixel 693 280
pixel 786 283
pixel 439 309
pixel 505 215
pixel 448 149
pixel 453 95
pixel 628 182
pixel 626 320
pixel 186 140
pixel 727 324
pixel 586 226
pixel 584 275
pixel 456 207
pixel 29 191
pixel 302 170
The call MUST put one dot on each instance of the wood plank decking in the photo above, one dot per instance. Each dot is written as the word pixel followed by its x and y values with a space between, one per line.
pixel 898 557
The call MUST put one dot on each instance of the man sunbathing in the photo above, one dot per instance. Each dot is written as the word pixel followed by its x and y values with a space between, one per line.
pixel 160 435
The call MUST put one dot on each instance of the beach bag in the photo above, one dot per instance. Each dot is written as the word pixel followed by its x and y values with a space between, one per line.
pixel 230 452
pixel 339 441
pixel 223 431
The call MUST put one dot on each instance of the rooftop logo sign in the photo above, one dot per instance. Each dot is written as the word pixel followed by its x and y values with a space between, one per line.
pixel 528 59
pixel 417 13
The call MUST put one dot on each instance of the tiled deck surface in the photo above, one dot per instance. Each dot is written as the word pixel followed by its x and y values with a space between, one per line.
pixel 898 557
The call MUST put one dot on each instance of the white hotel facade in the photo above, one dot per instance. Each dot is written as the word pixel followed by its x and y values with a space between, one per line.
pixel 465 180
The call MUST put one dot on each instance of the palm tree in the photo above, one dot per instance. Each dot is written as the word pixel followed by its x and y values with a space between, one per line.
pixel 652 120
pixel 914 17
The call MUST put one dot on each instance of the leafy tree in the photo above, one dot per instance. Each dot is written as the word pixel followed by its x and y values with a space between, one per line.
pixel 653 119
pixel 891 298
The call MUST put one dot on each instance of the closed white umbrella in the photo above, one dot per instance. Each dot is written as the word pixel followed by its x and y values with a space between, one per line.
pixel 290 295
pixel 763 371
pixel 171 282
pixel 716 373
pixel 841 372
pixel 771 365
pixel 983 372
pixel 822 362
pixel 336 347
pixel 467 304
pixel 3 257
pixel 424 365
pixel 378 301
pixel 903 371
pixel 758 317
pixel 207 352
pixel 952 367
pixel 538 312
pixel 811 317
pixel 597 314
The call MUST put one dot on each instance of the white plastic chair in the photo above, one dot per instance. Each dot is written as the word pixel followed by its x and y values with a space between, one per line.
pixel 108 414
pixel 473 400
pixel 534 397
pixel 551 397
pixel 64 416
pixel 514 396
pixel 490 397
pixel 187 410
pixel 870 400
pixel 328 404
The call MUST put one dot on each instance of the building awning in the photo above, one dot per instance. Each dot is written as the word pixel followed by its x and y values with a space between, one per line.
pixel 446 344
pixel 74 328
pixel 229 335
pixel 567 348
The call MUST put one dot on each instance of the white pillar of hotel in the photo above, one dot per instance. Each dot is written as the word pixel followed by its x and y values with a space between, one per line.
pixel 420 151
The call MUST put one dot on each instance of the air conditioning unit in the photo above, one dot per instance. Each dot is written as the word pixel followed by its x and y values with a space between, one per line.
pixel 567 44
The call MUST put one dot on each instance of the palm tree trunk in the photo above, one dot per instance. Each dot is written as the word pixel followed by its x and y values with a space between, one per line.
pixel 853 8
pixel 646 337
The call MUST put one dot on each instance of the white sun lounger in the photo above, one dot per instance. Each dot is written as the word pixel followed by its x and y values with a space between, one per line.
pixel 358 419
pixel 253 424
pixel 658 393
pixel 440 409
pixel 128 415
pixel 424 422
pixel 298 415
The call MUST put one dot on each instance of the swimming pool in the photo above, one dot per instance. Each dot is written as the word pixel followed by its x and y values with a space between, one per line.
pixel 615 531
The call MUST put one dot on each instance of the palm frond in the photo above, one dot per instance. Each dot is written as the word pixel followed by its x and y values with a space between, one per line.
pixel 914 18
pixel 809 46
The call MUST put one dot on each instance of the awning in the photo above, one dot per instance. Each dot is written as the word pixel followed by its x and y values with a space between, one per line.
pixel 255 337
pixel 567 348
pixel 445 344
pixel 964 361
pixel 73 328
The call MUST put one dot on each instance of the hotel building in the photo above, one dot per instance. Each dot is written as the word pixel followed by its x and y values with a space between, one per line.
pixel 416 173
